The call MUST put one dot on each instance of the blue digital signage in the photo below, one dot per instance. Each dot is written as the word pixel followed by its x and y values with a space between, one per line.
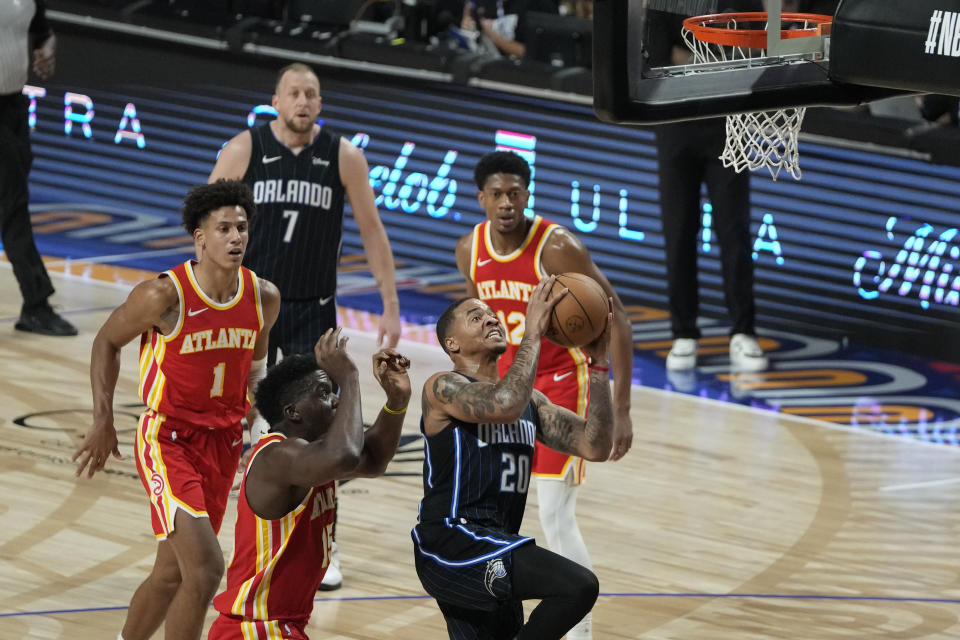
pixel 865 245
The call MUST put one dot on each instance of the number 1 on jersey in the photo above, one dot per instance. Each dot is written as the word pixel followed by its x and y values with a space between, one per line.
pixel 217 389
pixel 292 215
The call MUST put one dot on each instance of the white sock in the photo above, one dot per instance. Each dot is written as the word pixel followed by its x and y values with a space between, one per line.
pixel 558 501
pixel 120 636
pixel 582 630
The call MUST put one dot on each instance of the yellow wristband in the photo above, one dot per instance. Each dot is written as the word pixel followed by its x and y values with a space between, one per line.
pixel 392 412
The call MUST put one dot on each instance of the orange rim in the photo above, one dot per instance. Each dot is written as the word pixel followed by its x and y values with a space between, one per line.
pixel 703 29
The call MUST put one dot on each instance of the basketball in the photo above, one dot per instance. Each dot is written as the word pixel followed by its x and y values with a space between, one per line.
pixel 581 316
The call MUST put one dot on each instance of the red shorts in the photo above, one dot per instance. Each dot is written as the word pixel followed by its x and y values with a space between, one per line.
pixel 569 388
pixel 233 628
pixel 186 467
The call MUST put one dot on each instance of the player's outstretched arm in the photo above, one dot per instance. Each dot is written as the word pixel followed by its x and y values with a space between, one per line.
pixel 153 303
pixel 355 176
pixel 380 440
pixel 234 159
pixel 565 431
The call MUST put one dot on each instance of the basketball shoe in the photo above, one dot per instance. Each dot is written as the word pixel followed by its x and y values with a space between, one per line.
pixel 333 578
pixel 746 354
pixel 683 355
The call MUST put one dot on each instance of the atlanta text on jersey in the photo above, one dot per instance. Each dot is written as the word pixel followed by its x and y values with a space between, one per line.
pixel 227 339
pixel 504 289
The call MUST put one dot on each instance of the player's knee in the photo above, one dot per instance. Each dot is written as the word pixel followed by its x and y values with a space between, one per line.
pixel 166 578
pixel 204 576
pixel 586 588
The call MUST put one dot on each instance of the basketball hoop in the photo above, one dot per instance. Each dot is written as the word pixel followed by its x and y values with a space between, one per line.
pixel 764 138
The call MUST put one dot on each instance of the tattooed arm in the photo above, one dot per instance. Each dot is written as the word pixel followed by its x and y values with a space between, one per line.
pixel 451 394
pixel 565 431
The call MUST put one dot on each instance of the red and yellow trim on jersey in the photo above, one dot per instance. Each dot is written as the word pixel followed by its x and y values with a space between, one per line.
pixel 537 255
pixel 261 630
pixel 537 221
pixel 153 466
pixel 256 295
pixel 582 363
pixel 582 372
pixel 272 539
pixel 152 359
pixel 481 233
pixel 180 315
pixel 152 353
pixel 220 306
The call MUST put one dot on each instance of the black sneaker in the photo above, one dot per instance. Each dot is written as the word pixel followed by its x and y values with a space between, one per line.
pixel 45 321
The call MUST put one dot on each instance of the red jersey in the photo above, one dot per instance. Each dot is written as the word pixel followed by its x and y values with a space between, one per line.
pixel 505 283
pixel 198 374
pixel 277 565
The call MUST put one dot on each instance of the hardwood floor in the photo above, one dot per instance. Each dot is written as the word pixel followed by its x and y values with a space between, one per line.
pixel 723 522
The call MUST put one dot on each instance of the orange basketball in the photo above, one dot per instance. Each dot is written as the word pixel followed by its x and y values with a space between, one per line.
pixel 581 316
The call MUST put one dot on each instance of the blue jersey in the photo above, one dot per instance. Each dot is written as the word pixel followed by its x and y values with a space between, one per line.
pixel 479 473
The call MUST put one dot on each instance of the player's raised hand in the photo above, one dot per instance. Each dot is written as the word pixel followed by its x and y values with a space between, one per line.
pixel 331 354
pixel 390 370
pixel 541 303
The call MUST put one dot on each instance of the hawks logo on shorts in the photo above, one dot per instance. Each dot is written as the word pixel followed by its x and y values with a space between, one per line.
pixel 495 571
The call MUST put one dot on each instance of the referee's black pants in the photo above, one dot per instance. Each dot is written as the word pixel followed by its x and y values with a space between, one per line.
pixel 16 234
pixel 688 155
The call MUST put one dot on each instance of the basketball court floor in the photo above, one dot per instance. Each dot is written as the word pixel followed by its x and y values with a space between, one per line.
pixel 728 519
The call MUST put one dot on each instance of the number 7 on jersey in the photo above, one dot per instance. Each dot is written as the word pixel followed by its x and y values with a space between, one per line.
pixel 291 215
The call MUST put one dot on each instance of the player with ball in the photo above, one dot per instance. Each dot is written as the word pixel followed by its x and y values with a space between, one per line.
pixel 502 260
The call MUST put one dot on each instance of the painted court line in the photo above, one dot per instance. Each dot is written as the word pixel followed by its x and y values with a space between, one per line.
pixel 920 485
pixel 766 596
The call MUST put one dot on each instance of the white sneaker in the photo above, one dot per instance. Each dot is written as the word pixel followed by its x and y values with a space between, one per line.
pixel 683 355
pixel 746 354
pixel 333 578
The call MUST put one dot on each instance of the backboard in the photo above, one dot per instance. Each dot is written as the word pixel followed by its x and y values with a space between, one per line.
pixel 636 81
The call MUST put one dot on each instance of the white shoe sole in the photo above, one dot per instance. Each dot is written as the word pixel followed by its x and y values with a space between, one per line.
pixel 681 363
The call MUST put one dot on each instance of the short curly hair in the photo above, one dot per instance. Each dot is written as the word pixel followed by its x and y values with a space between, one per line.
pixel 204 199
pixel 501 162
pixel 284 383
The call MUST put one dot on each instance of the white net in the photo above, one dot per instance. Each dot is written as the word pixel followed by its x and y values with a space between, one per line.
pixel 764 139
pixel 758 139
